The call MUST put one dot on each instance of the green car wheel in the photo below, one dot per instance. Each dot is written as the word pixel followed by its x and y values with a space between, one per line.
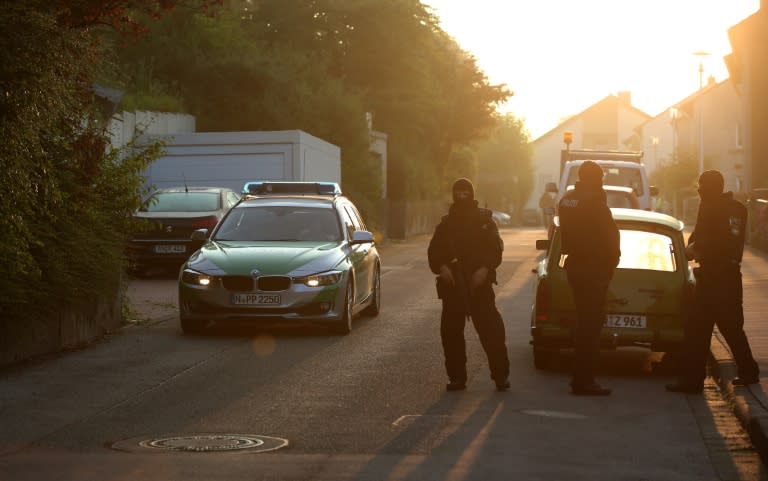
pixel 344 325
pixel 375 306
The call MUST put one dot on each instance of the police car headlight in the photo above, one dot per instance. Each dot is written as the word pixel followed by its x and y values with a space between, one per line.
pixel 196 278
pixel 321 279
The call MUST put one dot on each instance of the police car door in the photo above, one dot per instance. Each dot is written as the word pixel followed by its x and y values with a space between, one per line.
pixel 361 256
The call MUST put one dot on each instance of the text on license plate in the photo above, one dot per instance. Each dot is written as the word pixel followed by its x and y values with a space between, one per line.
pixel 625 320
pixel 170 249
pixel 255 299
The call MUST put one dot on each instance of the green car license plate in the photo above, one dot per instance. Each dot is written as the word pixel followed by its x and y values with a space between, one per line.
pixel 255 299
pixel 625 320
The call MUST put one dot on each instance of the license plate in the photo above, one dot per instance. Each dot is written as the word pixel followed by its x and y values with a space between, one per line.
pixel 255 299
pixel 625 320
pixel 170 249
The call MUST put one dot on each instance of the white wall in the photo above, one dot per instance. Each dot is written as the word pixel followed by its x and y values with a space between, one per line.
pixel 125 125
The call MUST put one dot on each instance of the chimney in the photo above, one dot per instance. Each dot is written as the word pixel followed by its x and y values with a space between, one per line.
pixel 625 96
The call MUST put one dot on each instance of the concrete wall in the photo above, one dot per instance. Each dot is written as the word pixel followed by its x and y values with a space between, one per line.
pixel 72 329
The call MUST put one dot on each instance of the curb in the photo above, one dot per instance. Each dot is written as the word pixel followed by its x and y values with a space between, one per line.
pixel 748 403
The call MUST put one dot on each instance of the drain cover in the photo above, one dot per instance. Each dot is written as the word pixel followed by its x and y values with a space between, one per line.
pixel 203 443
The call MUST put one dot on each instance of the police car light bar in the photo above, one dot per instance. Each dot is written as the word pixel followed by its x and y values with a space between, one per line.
pixel 284 187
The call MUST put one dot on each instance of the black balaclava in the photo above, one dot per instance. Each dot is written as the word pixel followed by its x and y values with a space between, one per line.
pixel 711 184
pixel 466 185
pixel 591 174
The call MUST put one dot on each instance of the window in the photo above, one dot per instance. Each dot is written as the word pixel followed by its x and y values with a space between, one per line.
pixel 279 223
pixel 643 250
pixel 183 202
pixel 646 250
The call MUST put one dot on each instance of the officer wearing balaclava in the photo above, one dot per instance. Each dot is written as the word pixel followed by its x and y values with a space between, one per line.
pixel 717 244
pixel 464 252
pixel 590 238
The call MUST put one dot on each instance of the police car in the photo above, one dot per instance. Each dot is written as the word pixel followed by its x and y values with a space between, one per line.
pixel 293 252
pixel 648 298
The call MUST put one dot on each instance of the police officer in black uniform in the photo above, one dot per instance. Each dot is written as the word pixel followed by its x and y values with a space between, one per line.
pixel 464 252
pixel 717 244
pixel 590 238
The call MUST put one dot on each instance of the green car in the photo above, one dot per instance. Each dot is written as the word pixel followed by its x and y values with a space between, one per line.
pixel 648 298
pixel 287 252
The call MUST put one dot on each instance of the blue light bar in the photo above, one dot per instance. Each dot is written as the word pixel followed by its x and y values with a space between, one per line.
pixel 296 188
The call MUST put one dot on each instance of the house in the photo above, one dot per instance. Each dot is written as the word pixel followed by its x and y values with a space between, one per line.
pixel 707 127
pixel 607 125
pixel 749 72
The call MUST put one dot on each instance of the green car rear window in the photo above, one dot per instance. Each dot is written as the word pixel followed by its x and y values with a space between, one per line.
pixel 642 250
pixel 183 202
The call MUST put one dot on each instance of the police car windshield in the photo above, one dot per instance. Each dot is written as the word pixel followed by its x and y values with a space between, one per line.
pixel 280 223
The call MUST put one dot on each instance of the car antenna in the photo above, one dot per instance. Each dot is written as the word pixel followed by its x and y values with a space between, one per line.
pixel 186 189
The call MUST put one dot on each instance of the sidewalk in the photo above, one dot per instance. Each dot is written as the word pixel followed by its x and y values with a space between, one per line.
pixel 749 403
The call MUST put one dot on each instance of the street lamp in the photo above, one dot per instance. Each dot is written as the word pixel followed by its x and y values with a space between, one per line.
pixel 701 54
pixel 674 114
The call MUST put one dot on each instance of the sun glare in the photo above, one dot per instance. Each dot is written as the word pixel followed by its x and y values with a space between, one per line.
pixel 560 57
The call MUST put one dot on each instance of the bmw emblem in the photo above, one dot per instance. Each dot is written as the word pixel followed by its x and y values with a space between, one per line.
pixel 169 228
pixel 255 273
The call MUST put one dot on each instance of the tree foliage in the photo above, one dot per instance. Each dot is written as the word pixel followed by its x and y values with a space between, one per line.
pixel 675 179
pixel 321 66
pixel 67 202
pixel 505 170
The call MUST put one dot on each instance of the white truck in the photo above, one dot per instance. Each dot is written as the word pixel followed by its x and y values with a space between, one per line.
pixel 621 168
pixel 229 159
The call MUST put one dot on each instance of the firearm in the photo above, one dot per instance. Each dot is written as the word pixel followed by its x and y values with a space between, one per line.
pixel 461 285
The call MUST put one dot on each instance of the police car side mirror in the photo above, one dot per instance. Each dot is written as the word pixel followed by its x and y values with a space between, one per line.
pixel 361 237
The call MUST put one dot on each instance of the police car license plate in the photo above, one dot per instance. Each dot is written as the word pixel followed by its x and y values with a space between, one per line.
pixel 170 249
pixel 625 320
pixel 255 299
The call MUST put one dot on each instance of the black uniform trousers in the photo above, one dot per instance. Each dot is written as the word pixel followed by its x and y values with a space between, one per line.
pixel 589 291
pixel 490 329
pixel 718 301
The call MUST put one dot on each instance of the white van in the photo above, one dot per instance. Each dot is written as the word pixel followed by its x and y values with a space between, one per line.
pixel 620 173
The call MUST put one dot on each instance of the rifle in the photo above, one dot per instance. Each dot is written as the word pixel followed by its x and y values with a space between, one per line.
pixel 461 286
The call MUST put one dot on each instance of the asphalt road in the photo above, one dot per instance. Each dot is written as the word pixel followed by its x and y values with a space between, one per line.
pixel 268 404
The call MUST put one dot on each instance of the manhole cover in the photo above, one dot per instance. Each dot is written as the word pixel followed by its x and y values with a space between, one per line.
pixel 553 414
pixel 203 443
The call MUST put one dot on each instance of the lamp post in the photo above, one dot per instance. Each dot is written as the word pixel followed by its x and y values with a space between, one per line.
pixel 701 54
pixel 674 113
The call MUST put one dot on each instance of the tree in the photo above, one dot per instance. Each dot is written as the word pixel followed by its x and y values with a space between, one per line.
pixel 66 200
pixel 676 178
pixel 505 166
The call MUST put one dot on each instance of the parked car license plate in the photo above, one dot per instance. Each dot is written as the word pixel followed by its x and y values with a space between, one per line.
pixel 255 299
pixel 170 249
pixel 625 320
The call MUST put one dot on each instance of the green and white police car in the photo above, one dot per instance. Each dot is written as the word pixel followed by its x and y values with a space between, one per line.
pixel 292 252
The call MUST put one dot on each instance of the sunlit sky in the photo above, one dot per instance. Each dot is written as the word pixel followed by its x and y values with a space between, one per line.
pixel 560 57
